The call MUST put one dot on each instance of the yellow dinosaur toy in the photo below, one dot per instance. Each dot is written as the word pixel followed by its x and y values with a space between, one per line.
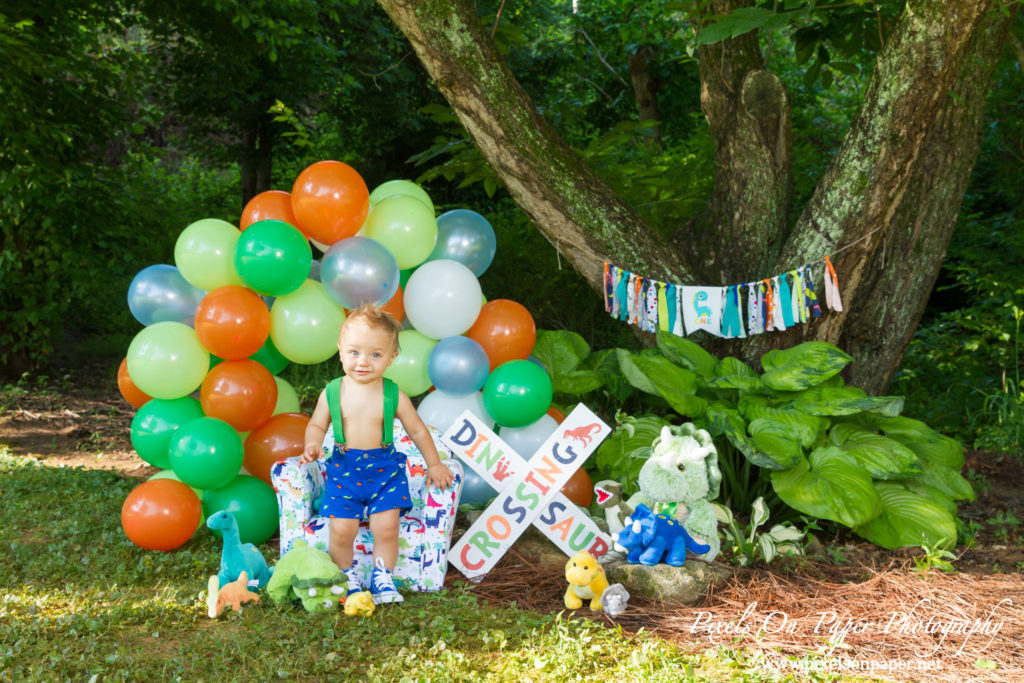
pixel 230 594
pixel 586 581
pixel 359 604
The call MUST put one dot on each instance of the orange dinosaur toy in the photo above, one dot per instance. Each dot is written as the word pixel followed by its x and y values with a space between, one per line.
pixel 230 594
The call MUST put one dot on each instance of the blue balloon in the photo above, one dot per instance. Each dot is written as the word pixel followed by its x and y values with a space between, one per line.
pixel 359 270
pixel 465 236
pixel 475 491
pixel 458 366
pixel 159 294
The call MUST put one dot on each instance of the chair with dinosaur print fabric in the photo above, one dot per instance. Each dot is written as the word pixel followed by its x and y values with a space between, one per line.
pixel 425 531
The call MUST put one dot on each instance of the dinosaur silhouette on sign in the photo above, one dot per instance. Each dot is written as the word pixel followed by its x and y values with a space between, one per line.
pixel 584 434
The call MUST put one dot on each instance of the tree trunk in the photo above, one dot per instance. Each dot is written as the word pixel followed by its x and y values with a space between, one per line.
pixel 256 159
pixel 748 111
pixel 644 92
pixel 897 179
pixel 571 206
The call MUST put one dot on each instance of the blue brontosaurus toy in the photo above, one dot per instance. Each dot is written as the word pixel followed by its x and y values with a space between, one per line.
pixel 237 557
pixel 648 537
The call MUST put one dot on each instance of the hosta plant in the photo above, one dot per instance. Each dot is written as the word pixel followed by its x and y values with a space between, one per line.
pixel 831 451
pixel 748 544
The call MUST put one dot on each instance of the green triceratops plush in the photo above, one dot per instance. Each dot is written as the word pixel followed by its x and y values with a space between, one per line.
pixel 307 574
pixel 680 479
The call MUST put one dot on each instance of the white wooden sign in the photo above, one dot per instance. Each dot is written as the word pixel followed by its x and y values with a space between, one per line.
pixel 528 491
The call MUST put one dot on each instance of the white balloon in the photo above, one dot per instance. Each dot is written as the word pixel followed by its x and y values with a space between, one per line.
pixel 442 299
pixel 440 410
pixel 526 440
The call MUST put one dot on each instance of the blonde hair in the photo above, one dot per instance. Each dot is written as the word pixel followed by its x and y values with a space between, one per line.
pixel 376 318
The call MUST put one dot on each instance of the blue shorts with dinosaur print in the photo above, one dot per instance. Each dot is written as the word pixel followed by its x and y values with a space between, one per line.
pixel 369 481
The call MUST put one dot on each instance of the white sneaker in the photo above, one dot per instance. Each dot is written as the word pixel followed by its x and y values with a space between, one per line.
pixel 382 587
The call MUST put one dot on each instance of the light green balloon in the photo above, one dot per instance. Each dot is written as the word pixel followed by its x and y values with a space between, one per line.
pixel 393 188
pixel 166 360
pixel 287 399
pixel 205 254
pixel 305 324
pixel 409 369
pixel 406 226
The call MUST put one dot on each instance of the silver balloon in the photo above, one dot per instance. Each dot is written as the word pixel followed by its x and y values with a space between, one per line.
pixel 467 237
pixel 160 294
pixel 359 270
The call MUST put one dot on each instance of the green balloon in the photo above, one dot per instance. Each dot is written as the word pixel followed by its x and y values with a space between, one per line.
pixel 287 399
pixel 155 423
pixel 206 453
pixel 205 254
pixel 517 393
pixel 399 187
pixel 269 357
pixel 406 226
pixel 305 324
pixel 253 504
pixel 404 275
pixel 167 360
pixel 409 369
pixel 273 257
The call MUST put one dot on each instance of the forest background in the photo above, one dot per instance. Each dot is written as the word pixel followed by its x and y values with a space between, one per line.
pixel 126 121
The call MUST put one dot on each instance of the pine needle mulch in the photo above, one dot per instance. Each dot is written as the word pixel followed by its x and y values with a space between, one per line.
pixel 890 622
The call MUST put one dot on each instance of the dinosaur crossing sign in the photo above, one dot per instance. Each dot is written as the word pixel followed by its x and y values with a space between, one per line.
pixel 529 491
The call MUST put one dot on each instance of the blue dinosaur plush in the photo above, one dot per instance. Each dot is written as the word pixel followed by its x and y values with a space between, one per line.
pixel 648 537
pixel 237 557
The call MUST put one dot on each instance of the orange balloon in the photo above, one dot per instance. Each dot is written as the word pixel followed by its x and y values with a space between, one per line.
pixel 232 322
pixel 129 391
pixel 282 436
pixel 557 414
pixel 506 331
pixel 330 201
pixel 243 393
pixel 161 514
pixel 396 305
pixel 272 204
pixel 579 489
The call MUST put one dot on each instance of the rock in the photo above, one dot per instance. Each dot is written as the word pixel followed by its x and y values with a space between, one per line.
pixel 686 584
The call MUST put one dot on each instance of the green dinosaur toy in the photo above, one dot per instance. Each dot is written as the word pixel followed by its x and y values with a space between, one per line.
pixel 307 574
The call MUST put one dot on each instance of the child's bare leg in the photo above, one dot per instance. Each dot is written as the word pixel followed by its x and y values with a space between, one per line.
pixel 341 534
pixel 384 527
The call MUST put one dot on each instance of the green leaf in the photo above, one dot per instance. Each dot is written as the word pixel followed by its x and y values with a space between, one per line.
pixel 682 351
pixel 740 21
pixel 881 456
pixel 908 519
pixel 829 485
pixel 577 382
pixel 728 421
pixel 675 384
pixel 732 373
pixel 946 480
pixel 802 366
pixel 634 375
pixel 805 428
pixel 560 351
pixel 846 401
pixel 606 363
pixel 929 445
pixel 725 420
pixel 774 439
pixel 625 451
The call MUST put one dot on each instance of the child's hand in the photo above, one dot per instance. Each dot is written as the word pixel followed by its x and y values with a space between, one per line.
pixel 440 476
pixel 311 454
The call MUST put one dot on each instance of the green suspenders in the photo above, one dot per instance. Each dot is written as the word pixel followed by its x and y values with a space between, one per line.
pixel 333 391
